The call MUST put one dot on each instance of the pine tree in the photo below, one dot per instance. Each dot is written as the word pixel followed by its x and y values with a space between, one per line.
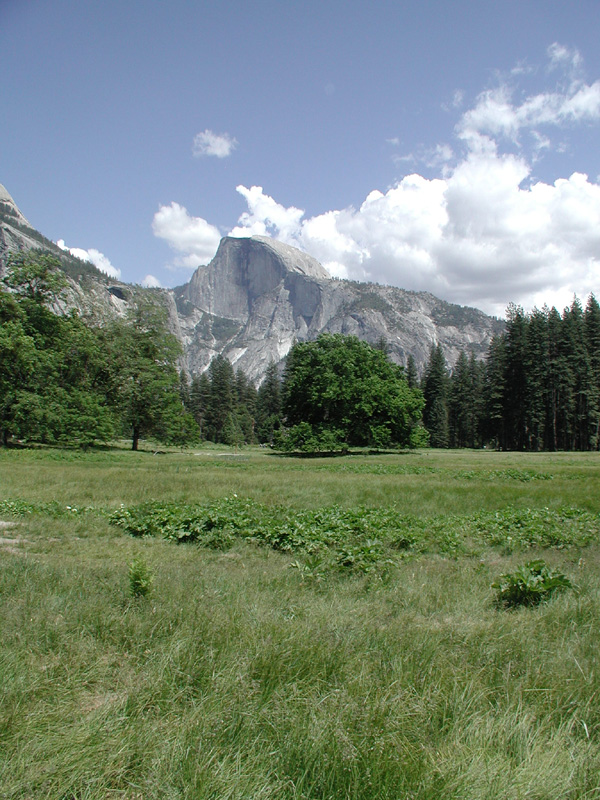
pixel 477 404
pixel 495 389
pixel 553 380
pixel 459 403
pixel 184 389
pixel 411 373
pixel 435 391
pixel 199 398
pixel 536 362
pixel 222 397
pixel 268 405
pixel 515 397
pixel 580 395
pixel 591 328
pixel 246 406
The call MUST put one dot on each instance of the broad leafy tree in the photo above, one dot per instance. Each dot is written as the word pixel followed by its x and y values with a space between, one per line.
pixel 147 385
pixel 349 393
pixel 53 371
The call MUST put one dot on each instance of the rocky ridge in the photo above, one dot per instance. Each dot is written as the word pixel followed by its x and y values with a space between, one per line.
pixel 257 296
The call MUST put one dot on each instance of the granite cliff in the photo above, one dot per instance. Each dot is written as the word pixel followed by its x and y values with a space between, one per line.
pixel 257 296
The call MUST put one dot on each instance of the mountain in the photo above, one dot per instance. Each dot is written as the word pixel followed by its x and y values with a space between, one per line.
pixel 257 296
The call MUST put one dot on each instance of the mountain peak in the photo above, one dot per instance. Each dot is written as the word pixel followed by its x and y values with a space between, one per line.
pixel 11 207
pixel 294 259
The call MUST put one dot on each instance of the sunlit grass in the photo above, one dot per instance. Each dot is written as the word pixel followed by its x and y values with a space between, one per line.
pixel 238 677
pixel 422 482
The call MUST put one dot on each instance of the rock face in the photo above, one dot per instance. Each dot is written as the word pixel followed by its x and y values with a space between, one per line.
pixel 257 296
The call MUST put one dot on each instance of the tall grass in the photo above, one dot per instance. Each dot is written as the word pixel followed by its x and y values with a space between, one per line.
pixel 422 482
pixel 237 677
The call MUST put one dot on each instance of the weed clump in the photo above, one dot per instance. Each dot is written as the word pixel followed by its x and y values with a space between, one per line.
pixel 529 585
pixel 141 578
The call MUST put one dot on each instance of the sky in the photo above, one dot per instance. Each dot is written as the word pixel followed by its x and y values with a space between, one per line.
pixel 446 147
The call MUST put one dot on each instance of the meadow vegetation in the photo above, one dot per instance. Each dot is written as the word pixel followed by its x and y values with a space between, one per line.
pixel 240 624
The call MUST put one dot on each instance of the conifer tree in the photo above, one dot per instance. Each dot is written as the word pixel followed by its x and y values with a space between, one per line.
pixel 460 402
pixel 268 405
pixel 579 394
pixel 411 373
pixel 435 392
pixel 536 362
pixel 222 398
pixel 245 406
pixel 495 388
pixel 591 327
pixel 515 396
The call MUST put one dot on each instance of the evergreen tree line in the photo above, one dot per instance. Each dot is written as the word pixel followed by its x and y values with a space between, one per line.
pixel 227 406
pixel 538 388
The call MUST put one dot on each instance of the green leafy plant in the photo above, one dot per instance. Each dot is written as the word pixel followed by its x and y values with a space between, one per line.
pixel 141 578
pixel 312 568
pixel 529 585
pixel 362 557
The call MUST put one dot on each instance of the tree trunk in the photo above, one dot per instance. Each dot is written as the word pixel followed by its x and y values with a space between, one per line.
pixel 135 439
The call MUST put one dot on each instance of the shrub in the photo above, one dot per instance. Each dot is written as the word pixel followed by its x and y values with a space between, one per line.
pixel 529 585
pixel 141 578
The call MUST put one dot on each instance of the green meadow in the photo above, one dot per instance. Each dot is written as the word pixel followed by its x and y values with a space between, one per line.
pixel 238 624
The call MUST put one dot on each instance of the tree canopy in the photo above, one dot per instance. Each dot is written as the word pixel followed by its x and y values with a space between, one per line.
pixel 339 392
pixel 64 381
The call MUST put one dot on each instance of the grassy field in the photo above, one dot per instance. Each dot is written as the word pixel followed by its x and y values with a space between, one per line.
pixel 330 633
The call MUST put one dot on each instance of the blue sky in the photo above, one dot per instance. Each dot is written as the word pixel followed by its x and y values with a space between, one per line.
pixel 448 147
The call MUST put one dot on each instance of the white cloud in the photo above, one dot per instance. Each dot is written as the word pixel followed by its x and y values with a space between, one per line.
pixel 477 237
pixel 150 282
pixel 496 114
pixel 95 257
pixel 193 237
pixel 264 216
pixel 561 57
pixel 207 143
pixel 485 233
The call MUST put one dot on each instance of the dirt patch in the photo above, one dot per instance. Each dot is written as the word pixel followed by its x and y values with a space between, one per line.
pixel 10 544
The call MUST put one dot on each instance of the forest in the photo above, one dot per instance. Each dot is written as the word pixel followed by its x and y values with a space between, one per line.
pixel 64 381
pixel 538 388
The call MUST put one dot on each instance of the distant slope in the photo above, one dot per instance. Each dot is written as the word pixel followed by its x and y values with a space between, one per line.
pixel 95 295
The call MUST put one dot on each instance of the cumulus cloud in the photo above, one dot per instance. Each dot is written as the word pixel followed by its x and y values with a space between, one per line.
pixel 265 217
pixel 476 237
pixel 207 143
pixel 150 282
pixel 497 114
pixel 484 233
pixel 95 257
pixel 193 237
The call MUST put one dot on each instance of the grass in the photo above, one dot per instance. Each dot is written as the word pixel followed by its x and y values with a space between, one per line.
pixel 241 675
